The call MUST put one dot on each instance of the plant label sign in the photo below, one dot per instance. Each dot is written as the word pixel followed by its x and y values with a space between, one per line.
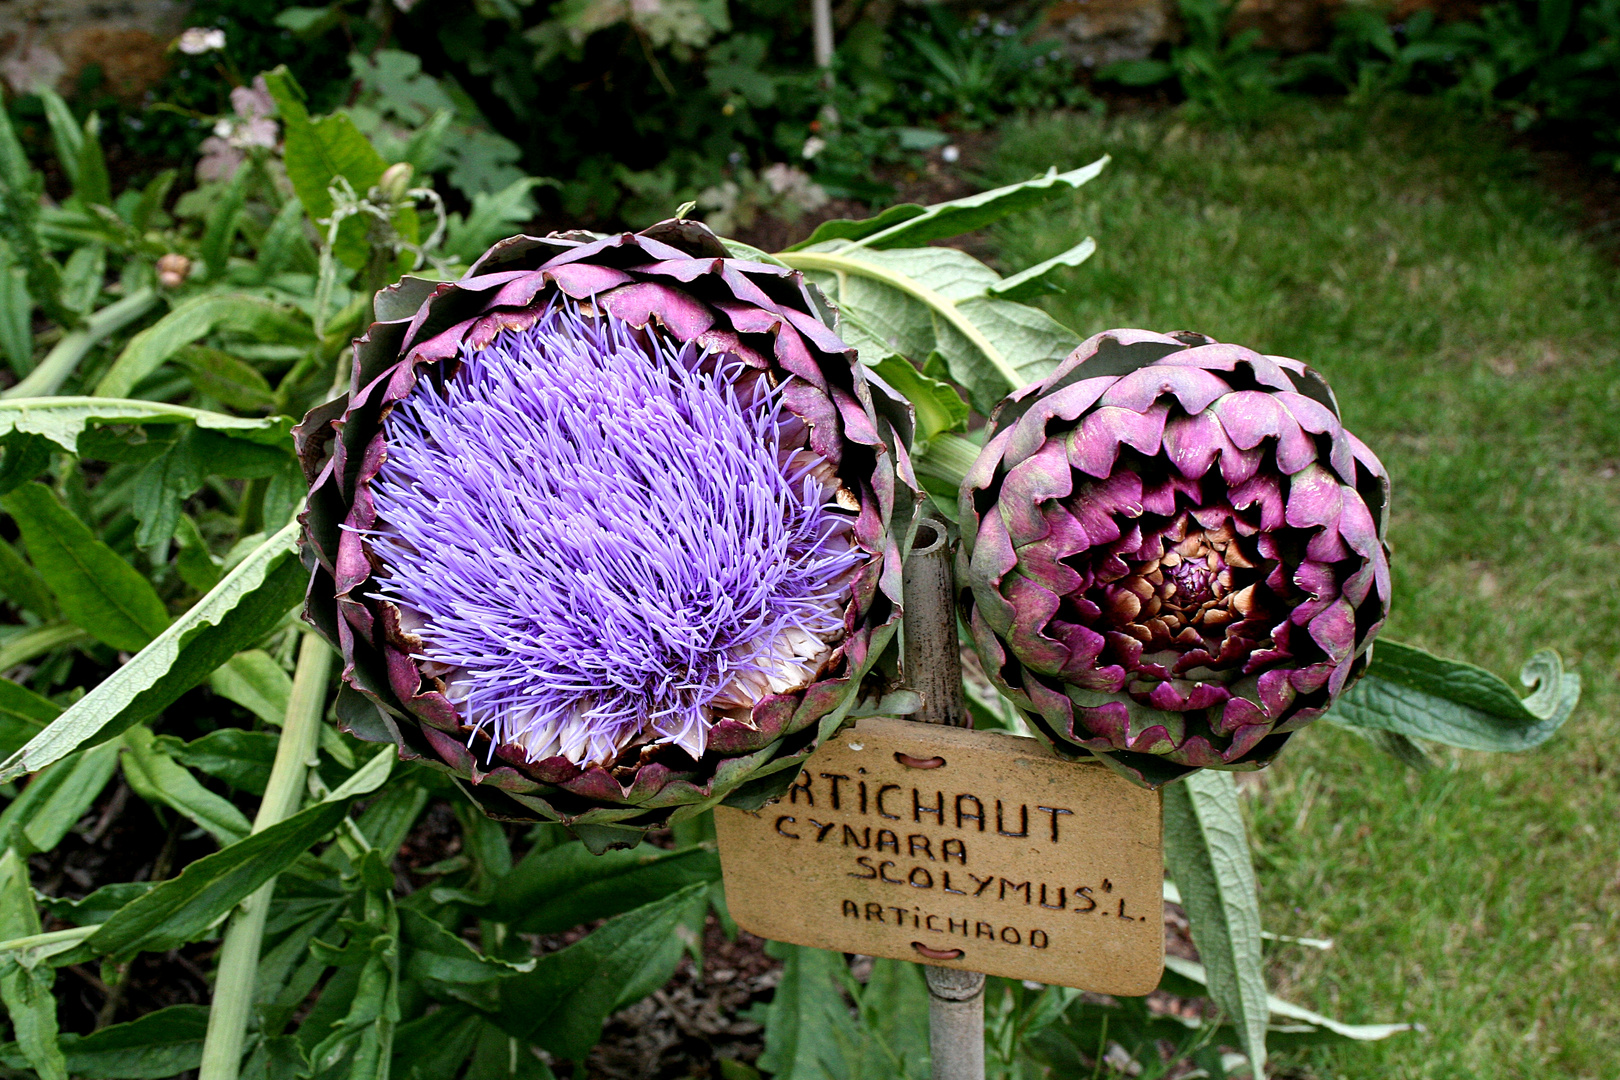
pixel 976 850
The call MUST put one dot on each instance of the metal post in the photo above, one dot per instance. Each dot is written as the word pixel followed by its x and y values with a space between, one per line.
pixel 822 29
pixel 933 667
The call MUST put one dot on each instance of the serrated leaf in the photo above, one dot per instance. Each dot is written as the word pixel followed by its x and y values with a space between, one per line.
pixel 155 777
pixel 162 486
pixel 195 318
pixel 96 589
pixel 492 217
pixel 26 987
pixel 806 1015
pixel 318 150
pixel 1414 693
pixel 197 565
pixel 560 888
pixel 40 819
pixel 564 1001
pixel 1207 853
pixel 939 407
pixel 23 714
pixel 96 908
pixel 435 955
pixel 245 605
pixel 22 584
pixel 159 1045
pixel 914 226
pixel 26 456
pixel 183 908
pixel 63 419
pixel 243 759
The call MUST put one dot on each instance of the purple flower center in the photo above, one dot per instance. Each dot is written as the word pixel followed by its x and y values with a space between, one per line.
pixel 604 539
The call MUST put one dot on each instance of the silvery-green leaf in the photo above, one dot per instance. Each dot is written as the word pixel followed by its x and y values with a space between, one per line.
pixel 64 419
pixel 246 603
pixel 1207 852
pixel 913 226
pixel 1419 695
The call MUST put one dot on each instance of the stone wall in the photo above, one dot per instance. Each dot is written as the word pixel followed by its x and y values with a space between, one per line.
pixel 1100 32
pixel 50 42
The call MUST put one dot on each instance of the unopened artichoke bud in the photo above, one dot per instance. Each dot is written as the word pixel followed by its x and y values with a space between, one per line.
pixel 1172 553
pixel 609 529
pixel 173 269
pixel 395 182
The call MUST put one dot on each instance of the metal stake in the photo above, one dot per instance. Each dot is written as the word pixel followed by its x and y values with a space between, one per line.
pixel 933 667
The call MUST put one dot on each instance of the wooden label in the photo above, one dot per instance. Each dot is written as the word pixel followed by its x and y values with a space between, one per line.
pixel 968 849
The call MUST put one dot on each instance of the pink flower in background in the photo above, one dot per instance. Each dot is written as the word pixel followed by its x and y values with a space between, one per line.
pixel 250 126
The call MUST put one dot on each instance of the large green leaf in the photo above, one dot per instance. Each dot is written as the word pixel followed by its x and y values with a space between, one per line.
pixel 939 407
pixel 564 1001
pixel 96 589
pixel 159 1045
pixel 1419 695
pixel 914 226
pixel 238 313
pixel 317 152
pixel 1207 852
pixel 246 604
pixel 63 419
pixel 806 1015
pixel 183 908
pixel 915 302
pixel 567 885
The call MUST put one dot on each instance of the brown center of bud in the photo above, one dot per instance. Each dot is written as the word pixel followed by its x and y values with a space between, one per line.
pixel 1200 584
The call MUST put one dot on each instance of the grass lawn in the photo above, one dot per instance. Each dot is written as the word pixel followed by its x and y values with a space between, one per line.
pixel 1474 342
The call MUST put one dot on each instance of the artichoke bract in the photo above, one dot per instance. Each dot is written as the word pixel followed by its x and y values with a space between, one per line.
pixel 608 529
pixel 1173 553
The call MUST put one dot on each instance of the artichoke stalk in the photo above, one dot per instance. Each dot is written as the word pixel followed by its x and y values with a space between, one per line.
pixel 1173 553
pixel 609 529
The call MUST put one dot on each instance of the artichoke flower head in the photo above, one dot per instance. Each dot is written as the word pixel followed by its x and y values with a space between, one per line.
pixel 609 528
pixel 1172 553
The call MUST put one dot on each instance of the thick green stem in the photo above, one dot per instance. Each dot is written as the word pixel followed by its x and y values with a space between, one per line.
pixel 239 951
pixel 75 344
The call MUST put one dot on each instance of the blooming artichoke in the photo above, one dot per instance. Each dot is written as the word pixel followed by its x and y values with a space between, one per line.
pixel 1172 552
pixel 608 528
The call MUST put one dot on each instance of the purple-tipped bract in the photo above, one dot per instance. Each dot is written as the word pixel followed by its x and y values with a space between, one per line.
pixel 610 528
pixel 1172 552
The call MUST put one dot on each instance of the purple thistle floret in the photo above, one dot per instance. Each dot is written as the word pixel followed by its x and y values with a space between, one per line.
pixel 603 539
